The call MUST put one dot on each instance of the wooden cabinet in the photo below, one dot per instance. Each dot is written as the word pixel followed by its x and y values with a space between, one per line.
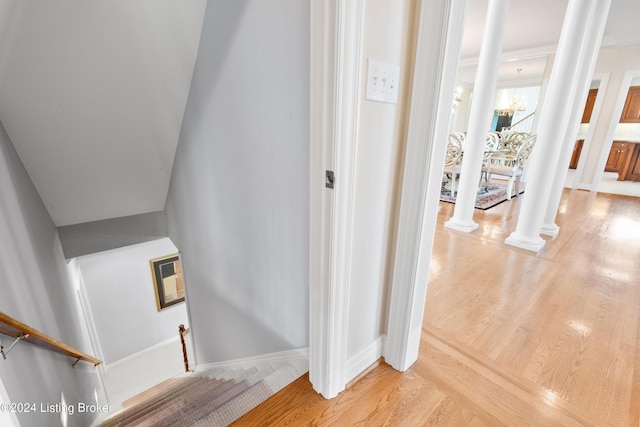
pixel 620 151
pixel 631 110
pixel 588 108
pixel 575 156
pixel 632 172
pixel 624 158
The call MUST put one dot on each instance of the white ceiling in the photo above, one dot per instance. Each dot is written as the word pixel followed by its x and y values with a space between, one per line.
pixel 92 93
pixel 532 33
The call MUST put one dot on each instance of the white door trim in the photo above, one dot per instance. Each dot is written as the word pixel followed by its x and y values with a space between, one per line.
pixel 336 42
pixel 586 146
pixel 439 37
pixel 617 112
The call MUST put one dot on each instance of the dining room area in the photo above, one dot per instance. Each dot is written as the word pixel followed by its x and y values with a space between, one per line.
pixel 504 160
pixel 537 88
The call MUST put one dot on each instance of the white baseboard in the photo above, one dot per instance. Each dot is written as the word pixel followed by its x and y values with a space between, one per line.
pixel 142 353
pixel 298 354
pixel 365 358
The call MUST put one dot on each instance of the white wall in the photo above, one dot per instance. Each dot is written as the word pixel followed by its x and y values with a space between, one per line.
pixel 627 132
pixel 461 113
pixel 239 195
pixel 121 294
pixel 37 290
pixel 7 418
pixel 388 38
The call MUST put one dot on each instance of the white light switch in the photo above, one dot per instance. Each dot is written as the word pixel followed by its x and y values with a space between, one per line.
pixel 382 81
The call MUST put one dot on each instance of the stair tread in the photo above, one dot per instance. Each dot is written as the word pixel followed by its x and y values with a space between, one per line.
pixel 234 409
pixel 202 400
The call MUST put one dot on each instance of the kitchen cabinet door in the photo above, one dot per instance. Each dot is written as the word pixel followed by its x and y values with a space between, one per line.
pixel 633 173
pixel 631 110
pixel 617 156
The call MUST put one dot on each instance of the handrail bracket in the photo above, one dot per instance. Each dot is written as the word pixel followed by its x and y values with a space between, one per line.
pixel 18 338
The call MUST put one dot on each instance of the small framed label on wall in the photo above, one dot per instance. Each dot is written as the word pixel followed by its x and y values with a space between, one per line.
pixel 167 281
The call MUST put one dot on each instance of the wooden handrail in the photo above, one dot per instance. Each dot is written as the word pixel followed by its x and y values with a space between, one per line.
pixel 522 120
pixel 21 332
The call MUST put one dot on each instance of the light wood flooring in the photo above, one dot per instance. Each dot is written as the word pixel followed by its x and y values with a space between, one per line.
pixel 510 337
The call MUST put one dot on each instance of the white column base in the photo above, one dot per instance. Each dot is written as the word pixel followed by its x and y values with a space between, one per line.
pixel 551 230
pixel 465 226
pixel 530 244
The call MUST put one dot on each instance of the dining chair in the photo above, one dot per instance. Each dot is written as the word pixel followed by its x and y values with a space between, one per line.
pixel 453 158
pixel 512 141
pixel 461 136
pixel 511 165
pixel 492 144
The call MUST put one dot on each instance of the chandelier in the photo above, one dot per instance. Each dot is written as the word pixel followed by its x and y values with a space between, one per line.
pixel 512 106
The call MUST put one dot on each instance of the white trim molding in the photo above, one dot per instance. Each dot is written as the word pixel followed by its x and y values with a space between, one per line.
pixel 365 358
pixel 586 146
pixel 439 37
pixel 298 356
pixel 146 352
pixel 336 44
pixel 617 112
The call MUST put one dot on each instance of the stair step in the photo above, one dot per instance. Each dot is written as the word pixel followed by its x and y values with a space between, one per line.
pixel 189 409
pixel 151 393
pixel 145 409
pixel 215 397
pixel 260 374
pixel 237 407
pixel 282 377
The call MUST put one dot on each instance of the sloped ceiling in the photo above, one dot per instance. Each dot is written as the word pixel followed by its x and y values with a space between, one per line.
pixel 92 93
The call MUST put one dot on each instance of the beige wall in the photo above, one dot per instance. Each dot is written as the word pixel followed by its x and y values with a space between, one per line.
pixel 388 37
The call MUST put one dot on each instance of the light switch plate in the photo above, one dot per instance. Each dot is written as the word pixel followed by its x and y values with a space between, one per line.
pixel 382 81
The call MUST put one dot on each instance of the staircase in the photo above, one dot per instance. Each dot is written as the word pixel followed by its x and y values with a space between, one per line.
pixel 214 397
pixel 525 124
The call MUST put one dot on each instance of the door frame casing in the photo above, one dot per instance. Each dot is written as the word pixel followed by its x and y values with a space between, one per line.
pixel 336 43
pixel 603 79
pixel 440 31
pixel 335 91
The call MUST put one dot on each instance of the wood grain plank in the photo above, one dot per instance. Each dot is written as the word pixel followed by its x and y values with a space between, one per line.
pixel 510 337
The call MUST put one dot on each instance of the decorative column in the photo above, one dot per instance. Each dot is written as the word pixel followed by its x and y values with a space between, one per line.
pixel 554 116
pixel 480 116
pixel 585 69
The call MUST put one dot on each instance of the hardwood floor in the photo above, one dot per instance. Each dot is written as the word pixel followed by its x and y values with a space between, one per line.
pixel 510 337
